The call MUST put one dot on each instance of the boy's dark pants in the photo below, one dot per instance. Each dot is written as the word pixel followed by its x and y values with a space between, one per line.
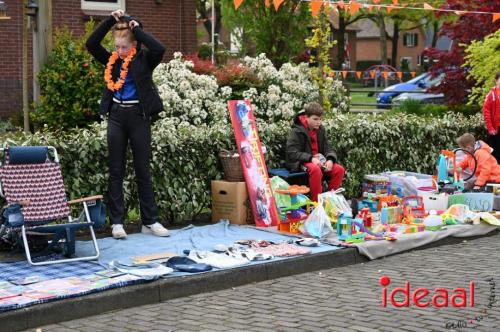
pixel 124 124
pixel 494 142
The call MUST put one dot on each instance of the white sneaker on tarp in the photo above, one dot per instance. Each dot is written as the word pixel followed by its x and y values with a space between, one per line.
pixel 155 229
pixel 118 232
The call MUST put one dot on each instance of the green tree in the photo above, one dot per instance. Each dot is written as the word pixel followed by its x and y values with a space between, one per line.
pixel 483 61
pixel 71 83
pixel 320 43
pixel 278 33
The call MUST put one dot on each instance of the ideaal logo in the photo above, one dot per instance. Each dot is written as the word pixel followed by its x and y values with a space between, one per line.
pixel 423 297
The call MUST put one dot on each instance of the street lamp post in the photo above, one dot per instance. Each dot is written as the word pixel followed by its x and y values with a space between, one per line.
pixel 212 24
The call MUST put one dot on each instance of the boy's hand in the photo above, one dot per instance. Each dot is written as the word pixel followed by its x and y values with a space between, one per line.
pixel 133 24
pixel 316 161
pixel 328 165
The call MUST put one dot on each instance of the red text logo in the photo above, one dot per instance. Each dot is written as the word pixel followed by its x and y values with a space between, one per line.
pixel 423 297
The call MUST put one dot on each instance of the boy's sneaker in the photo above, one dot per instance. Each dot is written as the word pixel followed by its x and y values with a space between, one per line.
pixel 118 231
pixel 155 229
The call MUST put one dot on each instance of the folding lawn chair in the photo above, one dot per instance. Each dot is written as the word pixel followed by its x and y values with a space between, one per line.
pixel 29 174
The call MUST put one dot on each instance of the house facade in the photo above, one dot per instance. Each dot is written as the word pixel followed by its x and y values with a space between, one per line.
pixel 173 22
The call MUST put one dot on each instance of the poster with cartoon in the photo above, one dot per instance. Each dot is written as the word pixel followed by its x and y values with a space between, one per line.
pixel 253 163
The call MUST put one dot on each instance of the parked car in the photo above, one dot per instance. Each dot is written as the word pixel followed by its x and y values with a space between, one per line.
pixel 419 83
pixel 425 98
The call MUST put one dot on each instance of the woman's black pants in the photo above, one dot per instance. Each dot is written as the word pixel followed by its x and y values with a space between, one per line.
pixel 129 124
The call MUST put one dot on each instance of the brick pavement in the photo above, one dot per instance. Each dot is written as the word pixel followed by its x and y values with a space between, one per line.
pixel 341 299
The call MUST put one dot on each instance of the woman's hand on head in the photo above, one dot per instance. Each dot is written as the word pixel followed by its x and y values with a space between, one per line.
pixel 117 14
pixel 132 24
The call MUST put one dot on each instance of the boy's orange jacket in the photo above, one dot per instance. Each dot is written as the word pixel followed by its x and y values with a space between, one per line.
pixel 487 166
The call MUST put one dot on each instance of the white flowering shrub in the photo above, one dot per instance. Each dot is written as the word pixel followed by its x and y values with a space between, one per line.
pixel 189 97
pixel 281 94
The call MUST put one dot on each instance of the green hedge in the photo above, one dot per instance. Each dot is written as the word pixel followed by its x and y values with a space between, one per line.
pixel 185 158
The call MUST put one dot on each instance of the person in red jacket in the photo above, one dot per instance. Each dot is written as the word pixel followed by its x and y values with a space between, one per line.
pixel 307 148
pixel 487 169
pixel 491 113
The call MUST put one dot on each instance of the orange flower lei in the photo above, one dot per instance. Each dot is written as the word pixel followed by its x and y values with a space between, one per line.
pixel 115 86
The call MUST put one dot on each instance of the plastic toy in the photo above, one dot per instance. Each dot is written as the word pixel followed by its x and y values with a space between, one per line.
pixel 447 160
pixel 391 215
pixel 413 207
pixel 293 215
pixel 366 216
pixel 388 201
pixel 349 230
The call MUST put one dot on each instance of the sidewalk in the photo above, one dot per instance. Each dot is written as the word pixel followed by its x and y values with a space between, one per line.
pixel 167 289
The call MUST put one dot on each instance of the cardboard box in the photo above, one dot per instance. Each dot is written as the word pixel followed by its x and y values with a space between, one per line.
pixel 229 201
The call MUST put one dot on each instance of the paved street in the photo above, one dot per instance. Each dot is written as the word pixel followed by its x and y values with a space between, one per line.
pixel 342 299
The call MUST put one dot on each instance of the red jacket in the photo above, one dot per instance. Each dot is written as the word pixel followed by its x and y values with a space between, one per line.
pixel 491 110
pixel 313 135
pixel 487 169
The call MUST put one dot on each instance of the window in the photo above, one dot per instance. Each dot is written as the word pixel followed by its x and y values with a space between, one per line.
pixel 104 5
pixel 410 39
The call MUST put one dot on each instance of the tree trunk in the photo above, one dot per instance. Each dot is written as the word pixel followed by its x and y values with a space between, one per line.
pixel 341 41
pixel 435 28
pixel 383 40
pixel 395 41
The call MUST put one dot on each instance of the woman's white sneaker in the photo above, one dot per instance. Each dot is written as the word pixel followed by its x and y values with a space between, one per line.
pixel 155 229
pixel 118 232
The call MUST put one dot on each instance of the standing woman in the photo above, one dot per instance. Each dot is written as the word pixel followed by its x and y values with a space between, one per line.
pixel 130 99
pixel 491 113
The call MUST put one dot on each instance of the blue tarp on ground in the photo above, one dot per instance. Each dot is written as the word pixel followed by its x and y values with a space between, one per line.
pixel 199 238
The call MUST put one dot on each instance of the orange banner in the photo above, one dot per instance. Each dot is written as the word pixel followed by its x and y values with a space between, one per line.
pixel 277 4
pixel 316 7
pixel 344 74
pixel 413 74
pixel 496 16
pixel 400 74
pixel 385 74
pixel 354 7
pixel 358 74
pixel 372 74
pixel 237 3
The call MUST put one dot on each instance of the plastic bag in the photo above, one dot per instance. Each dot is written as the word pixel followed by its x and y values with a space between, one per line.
pixel 317 224
pixel 335 204
pixel 280 199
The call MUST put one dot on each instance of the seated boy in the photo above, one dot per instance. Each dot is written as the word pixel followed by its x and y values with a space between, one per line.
pixel 307 147
pixel 487 169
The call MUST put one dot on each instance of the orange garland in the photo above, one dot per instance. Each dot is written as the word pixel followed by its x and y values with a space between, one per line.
pixel 115 86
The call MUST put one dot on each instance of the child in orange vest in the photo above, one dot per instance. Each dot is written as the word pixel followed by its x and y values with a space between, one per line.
pixel 487 169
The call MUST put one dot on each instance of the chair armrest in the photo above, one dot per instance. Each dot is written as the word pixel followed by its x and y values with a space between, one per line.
pixel 86 199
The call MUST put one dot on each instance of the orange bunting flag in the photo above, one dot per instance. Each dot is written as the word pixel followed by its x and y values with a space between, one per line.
pixel 395 2
pixel 341 4
pixel 370 8
pixel 376 2
pixel 344 74
pixel 358 74
pixel 267 3
pixel 237 3
pixel 385 75
pixel 400 74
pixel 427 6
pixel 316 7
pixel 354 8
pixel 277 4
pixel 372 74
pixel 413 74
pixel 496 16
pixel 390 9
